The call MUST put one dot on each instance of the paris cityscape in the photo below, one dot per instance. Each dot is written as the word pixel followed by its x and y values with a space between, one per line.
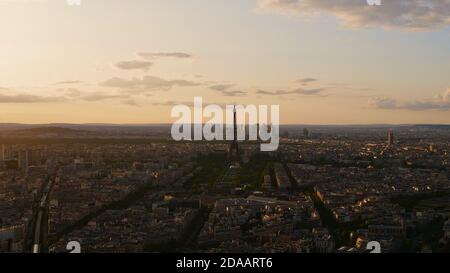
pixel 328 189
pixel 217 128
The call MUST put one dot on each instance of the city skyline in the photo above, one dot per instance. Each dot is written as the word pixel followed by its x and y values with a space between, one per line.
pixel 215 134
pixel 323 62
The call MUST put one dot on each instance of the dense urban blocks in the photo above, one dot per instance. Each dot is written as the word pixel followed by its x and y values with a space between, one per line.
pixel 325 190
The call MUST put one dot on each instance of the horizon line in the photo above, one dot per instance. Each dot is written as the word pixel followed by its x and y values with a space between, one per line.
pixel 169 124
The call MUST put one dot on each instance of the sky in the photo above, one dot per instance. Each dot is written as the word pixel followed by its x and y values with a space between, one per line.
pixel 131 61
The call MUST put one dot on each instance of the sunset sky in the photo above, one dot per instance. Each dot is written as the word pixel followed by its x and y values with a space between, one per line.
pixel 130 61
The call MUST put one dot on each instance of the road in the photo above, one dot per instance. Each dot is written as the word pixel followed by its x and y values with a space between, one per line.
pixel 42 208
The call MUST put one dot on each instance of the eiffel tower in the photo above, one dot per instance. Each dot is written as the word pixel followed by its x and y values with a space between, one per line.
pixel 233 152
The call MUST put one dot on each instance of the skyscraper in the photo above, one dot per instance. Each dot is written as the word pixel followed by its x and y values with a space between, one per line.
pixel 306 133
pixel 2 153
pixel 23 160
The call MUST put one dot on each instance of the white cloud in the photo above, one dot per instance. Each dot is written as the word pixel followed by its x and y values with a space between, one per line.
pixel 405 15
pixel 155 55
pixel 440 102
pixel 133 65
pixel 225 90
pixel 298 91
pixel 26 98
pixel 99 96
pixel 146 83
pixel 383 103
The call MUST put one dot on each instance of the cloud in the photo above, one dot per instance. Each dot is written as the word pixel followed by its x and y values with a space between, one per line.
pixel 235 93
pixel 67 82
pixel 25 98
pixel 188 103
pixel 445 97
pixel 306 80
pixel 225 90
pixel 272 93
pixel 309 92
pixel 156 55
pixel 146 83
pixel 221 87
pixel 383 103
pixel 441 102
pixel 404 15
pixel 170 103
pixel 130 102
pixel 76 94
pixel 298 91
pixel 424 105
pixel 99 96
pixel 73 92
pixel 134 65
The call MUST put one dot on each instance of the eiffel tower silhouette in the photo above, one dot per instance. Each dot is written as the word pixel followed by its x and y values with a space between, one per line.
pixel 233 152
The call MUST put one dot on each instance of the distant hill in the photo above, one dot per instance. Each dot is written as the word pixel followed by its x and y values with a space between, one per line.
pixel 86 130
pixel 42 132
pixel 432 126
